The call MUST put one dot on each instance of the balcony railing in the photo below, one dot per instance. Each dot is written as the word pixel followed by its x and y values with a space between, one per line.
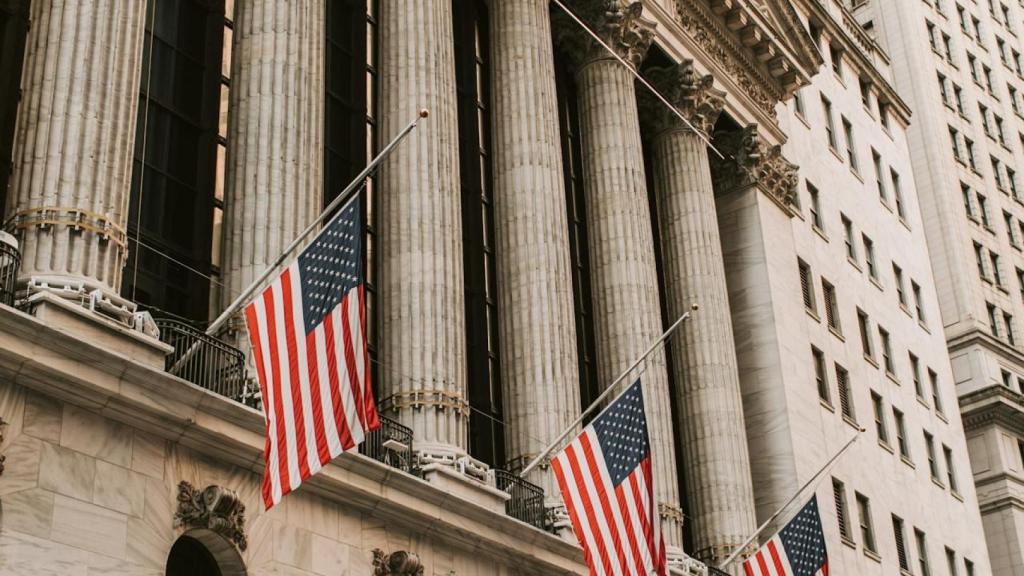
pixel 204 360
pixel 390 444
pixel 527 499
pixel 10 261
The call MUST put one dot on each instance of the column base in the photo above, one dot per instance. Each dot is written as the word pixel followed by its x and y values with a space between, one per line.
pixel 98 329
pixel 457 473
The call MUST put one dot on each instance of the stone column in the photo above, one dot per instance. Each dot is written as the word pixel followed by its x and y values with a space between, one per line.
pixel 624 277
pixel 421 306
pixel 73 146
pixel 716 463
pixel 538 332
pixel 274 172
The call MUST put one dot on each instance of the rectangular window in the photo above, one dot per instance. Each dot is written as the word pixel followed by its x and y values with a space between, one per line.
pixel 851 246
pixel 830 127
pixel 954 141
pixel 933 463
pixel 864 325
pixel 901 295
pixel 1011 336
pixel 1011 230
pixel 915 372
pixel 947 453
pixel 851 149
pixel 901 545
pixel 876 159
pixel 869 256
pixel 897 194
pixel 815 207
pixel 951 562
pixel 867 529
pixel 883 334
pixel 820 375
pixel 839 494
pixel 831 306
pixel 968 567
pixel 965 190
pixel 933 379
pixel 915 289
pixel 836 55
pixel 983 210
pixel 993 319
pixel 996 269
pixel 807 285
pixel 979 258
pixel 798 103
pixel 901 434
pixel 845 395
pixel 922 552
pixel 881 428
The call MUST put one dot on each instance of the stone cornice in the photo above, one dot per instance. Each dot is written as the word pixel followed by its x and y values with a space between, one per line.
pixel 741 39
pixel 621 26
pixel 993 405
pixel 975 336
pixel 860 47
pixel 53 362
pixel 694 96
pixel 749 161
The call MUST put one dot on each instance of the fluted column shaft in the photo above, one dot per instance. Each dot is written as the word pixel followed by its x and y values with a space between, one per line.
pixel 624 277
pixel 714 442
pixel 422 308
pixel 76 133
pixel 538 332
pixel 274 172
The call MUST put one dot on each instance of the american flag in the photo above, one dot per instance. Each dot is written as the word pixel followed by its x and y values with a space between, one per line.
pixel 608 487
pixel 307 331
pixel 797 550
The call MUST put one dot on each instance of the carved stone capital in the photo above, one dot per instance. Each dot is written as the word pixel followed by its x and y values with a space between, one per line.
pixel 214 508
pixel 749 161
pixel 693 95
pixel 399 563
pixel 619 25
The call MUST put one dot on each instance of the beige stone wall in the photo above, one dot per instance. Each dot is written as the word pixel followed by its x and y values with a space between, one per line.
pixel 84 495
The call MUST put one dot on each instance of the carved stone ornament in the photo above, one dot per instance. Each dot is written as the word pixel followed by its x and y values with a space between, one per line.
pixel 749 161
pixel 399 563
pixel 215 508
pixel 709 35
pixel 3 424
pixel 620 25
pixel 693 95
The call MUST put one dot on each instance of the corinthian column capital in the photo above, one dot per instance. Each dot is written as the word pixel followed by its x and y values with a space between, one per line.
pixel 695 96
pixel 620 25
pixel 750 161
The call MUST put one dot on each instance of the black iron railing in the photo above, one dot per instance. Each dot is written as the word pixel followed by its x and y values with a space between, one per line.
pixel 10 261
pixel 204 360
pixel 527 499
pixel 390 444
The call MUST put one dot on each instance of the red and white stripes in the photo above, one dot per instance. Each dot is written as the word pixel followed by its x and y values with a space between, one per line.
pixel 316 389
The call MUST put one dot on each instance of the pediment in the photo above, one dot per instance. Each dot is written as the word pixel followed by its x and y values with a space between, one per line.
pixel 763 44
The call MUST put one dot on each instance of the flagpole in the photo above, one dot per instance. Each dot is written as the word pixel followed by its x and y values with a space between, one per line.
pixel 778 512
pixel 611 388
pixel 345 196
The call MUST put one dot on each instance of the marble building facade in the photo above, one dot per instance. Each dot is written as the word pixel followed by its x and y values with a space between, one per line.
pixel 540 229
pixel 959 65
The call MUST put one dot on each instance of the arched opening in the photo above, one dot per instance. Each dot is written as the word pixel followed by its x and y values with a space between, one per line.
pixel 202 552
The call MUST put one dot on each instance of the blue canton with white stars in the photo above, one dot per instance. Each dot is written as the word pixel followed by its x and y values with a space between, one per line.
pixel 804 541
pixel 331 266
pixel 622 433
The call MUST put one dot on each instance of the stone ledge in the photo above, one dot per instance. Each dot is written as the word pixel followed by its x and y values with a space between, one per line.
pixel 60 364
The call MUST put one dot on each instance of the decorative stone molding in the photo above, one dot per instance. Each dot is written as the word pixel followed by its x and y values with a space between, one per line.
pixel 749 161
pixel 419 399
pixel 399 563
pixel 621 26
pixel 693 95
pixel 215 508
